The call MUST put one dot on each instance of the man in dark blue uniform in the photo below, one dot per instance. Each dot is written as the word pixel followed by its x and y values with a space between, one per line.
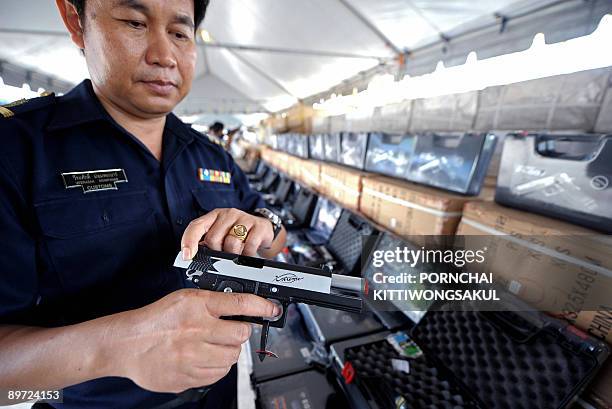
pixel 99 190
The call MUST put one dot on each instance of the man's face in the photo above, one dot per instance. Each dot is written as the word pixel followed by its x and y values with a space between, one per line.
pixel 141 54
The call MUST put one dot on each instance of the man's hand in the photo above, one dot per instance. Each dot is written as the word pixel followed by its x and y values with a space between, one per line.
pixel 212 230
pixel 179 342
pixel 174 344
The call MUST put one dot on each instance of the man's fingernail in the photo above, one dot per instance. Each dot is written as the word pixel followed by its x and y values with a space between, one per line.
pixel 186 253
pixel 276 311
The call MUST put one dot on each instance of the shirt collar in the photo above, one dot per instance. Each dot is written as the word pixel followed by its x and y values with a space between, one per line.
pixel 179 128
pixel 81 105
pixel 78 106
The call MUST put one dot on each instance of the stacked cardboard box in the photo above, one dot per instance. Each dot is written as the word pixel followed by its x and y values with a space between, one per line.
pixel 341 184
pixel 310 174
pixel 283 160
pixel 408 209
pixel 299 118
pixel 553 265
pixel 266 154
pixel 599 392
pixel 294 167
pixel 596 323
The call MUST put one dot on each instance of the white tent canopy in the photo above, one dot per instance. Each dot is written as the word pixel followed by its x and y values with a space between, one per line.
pixel 265 55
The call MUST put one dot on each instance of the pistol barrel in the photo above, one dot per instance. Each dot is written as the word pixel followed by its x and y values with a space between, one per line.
pixel 346 283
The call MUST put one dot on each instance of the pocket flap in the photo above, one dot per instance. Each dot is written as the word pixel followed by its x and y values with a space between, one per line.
pixel 210 198
pixel 65 218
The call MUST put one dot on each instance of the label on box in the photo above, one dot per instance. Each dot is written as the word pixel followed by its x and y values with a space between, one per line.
pixel 404 346
pixel 514 287
pixel 401 365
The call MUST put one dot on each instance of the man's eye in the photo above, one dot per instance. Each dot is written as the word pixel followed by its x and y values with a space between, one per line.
pixel 181 36
pixel 135 24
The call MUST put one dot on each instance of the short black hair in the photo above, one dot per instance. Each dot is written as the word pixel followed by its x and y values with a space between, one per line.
pixel 200 7
pixel 216 127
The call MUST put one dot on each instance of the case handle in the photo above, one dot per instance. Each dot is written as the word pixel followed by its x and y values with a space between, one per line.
pixel 578 148
pixel 390 139
pixel 356 223
pixel 447 141
pixel 519 329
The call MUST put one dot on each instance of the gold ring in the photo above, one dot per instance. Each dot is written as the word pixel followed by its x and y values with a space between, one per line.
pixel 239 231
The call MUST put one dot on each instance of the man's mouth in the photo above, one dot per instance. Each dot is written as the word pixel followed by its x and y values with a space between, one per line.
pixel 160 87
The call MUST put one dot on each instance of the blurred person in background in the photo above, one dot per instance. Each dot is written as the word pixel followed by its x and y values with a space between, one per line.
pixel 216 130
pixel 218 133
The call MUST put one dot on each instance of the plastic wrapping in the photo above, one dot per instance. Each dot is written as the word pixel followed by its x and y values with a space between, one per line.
pixel 353 149
pixel 604 119
pixel 300 145
pixel 390 154
pixel 413 310
pixel 337 123
pixel 332 147
pixel 452 161
pixel 565 176
pixel 283 142
pixel 392 118
pixel 324 219
pixel 562 102
pixel 327 326
pixel 309 389
pixel 320 124
pixel 455 112
pixel 293 141
pixel 359 121
pixel 316 146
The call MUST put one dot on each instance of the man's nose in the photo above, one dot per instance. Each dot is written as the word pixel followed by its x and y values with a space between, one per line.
pixel 160 50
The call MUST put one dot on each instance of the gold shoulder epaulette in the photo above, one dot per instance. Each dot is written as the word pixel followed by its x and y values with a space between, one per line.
pixel 5 112
pixel 33 103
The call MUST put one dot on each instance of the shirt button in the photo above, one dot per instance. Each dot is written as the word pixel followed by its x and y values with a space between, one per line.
pixel 179 221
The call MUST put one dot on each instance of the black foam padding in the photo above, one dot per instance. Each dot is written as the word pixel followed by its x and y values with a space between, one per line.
pixel 262 169
pixel 291 343
pixel 506 362
pixel 269 182
pixel 328 326
pixel 346 242
pixel 283 189
pixel 390 317
pixel 305 390
pixel 304 206
pixel 424 387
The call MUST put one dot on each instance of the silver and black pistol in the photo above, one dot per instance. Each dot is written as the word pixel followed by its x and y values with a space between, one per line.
pixel 278 282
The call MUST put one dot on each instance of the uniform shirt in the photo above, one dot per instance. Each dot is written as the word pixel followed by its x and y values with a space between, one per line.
pixel 71 254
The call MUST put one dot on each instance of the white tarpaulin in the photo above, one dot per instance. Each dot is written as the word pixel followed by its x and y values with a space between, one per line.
pixel 268 54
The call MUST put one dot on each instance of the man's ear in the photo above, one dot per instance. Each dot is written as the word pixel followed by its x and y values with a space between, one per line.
pixel 72 21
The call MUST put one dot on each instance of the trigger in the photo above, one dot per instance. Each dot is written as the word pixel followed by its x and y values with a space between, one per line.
pixel 262 352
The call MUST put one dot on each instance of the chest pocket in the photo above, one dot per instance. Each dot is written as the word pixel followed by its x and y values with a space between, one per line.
pixel 210 198
pixel 92 240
